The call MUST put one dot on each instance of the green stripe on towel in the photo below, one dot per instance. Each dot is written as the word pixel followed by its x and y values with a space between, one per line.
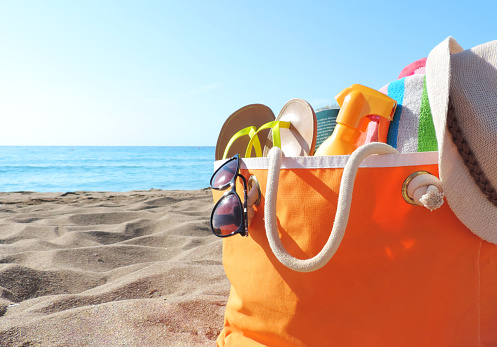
pixel 427 139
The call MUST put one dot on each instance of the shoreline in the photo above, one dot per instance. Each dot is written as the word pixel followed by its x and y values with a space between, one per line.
pixel 107 268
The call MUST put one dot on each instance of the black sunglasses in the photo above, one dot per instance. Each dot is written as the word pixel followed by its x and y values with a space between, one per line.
pixel 229 215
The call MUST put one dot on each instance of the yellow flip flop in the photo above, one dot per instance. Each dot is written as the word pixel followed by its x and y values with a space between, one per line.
pixel 240 128
pixel 298 139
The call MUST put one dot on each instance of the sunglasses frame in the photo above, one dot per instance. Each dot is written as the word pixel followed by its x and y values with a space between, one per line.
pixel 243 229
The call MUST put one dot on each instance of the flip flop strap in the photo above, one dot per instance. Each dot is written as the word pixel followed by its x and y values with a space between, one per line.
pixel 275 125
pixel 342 213
pixel 251 132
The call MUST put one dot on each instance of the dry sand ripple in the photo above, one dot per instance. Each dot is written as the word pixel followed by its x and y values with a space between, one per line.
pixel 110 269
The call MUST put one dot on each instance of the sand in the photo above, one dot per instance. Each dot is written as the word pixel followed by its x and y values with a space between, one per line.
pixel 140 268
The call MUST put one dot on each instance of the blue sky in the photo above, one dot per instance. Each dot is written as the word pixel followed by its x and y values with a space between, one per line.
pixel 170 72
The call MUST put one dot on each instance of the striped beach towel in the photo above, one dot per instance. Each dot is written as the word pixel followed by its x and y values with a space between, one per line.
pixel 412 128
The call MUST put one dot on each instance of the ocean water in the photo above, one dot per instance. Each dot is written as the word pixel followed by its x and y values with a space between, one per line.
pixel 116 169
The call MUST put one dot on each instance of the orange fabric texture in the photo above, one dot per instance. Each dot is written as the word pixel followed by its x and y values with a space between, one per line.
pixel 402 276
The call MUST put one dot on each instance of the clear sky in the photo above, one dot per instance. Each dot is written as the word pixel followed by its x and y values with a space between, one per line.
pixel 102 72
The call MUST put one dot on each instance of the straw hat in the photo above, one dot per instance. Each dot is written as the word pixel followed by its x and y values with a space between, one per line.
pixel 462 89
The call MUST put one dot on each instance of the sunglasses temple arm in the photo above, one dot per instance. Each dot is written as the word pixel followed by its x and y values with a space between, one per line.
pixel 245 218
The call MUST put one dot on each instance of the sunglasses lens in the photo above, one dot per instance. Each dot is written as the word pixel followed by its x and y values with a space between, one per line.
pixel 227 218
pixel 224 175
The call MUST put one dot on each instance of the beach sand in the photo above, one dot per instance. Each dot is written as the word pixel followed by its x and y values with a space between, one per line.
pixel 140 268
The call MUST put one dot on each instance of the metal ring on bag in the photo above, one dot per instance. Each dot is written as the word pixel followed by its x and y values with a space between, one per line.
pixel 252 181
pixel 405 185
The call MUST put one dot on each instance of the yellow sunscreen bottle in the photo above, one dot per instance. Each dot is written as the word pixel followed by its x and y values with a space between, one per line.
pixel 357 102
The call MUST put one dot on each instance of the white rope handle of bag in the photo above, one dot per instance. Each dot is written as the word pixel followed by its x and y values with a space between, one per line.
pixel 342 213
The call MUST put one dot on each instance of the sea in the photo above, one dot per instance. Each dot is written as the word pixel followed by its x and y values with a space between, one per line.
pixel 109 168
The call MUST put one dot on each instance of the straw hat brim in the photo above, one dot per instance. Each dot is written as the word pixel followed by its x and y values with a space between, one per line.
pixel 463 195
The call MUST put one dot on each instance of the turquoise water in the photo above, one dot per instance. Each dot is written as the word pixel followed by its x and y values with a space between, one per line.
pixel 117 169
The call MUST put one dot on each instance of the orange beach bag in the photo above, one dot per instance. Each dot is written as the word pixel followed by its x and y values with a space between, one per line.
pixel 402 275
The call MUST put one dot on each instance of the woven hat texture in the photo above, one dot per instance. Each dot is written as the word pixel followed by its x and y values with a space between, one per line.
pixel 462 91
